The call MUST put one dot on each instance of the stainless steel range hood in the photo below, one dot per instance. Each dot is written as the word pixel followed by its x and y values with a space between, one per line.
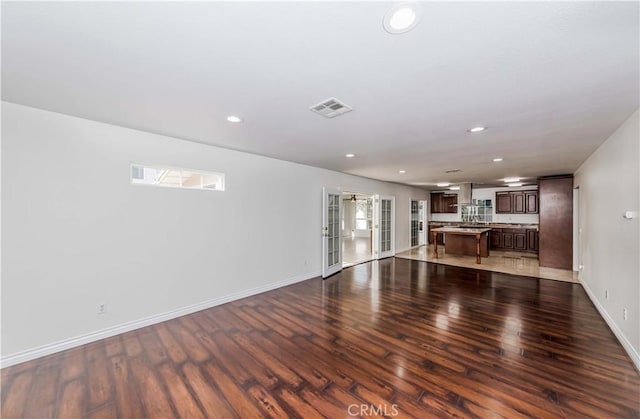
pixel 464 195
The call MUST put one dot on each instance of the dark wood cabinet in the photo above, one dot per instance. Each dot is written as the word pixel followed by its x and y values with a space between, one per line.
pixel 519 239
pixel 495 239
pixel 532 240
pixel 531 202
pixel 436 203
pixel 504 203
pixel 450 203
pixel 443 203
pixel 556 222
pixel 507 240
pixel 517 202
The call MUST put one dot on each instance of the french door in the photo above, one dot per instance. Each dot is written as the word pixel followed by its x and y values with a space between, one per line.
pixel 331 231
pixel 385 226
pixel 415 223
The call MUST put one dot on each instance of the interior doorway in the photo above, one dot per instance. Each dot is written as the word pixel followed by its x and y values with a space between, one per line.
pixel 418 222
pixel 357 228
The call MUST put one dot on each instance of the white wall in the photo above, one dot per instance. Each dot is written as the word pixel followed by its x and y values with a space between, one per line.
pixel 349 214
pixel 609 245
pixel 77 234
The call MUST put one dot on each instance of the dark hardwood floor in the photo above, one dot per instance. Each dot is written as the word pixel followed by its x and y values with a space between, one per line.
pixel 396 337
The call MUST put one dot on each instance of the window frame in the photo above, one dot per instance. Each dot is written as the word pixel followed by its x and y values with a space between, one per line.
pixel 221 175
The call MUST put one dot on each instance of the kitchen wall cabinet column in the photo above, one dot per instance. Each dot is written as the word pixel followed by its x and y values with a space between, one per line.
pixel 556 222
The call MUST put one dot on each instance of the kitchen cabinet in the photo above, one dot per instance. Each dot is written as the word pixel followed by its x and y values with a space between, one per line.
pixel 444 203
pixel 532 240
pixel 495 239
pixel 504 203
pixel 507 239
pixel 531 202
pixel 518 239
pixel 517 202
pixel 556 222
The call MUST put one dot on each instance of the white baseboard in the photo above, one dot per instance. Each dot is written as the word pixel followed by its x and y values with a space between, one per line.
pixel 51 348
pixel 633 354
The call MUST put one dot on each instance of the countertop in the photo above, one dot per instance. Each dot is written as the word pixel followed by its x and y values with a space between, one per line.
pixel 460 230
pixel 459 224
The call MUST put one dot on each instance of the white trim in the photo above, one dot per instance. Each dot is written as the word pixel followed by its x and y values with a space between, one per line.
pixel 65 344
pixel 631 351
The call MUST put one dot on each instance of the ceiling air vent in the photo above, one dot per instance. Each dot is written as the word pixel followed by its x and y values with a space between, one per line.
pixel 331 108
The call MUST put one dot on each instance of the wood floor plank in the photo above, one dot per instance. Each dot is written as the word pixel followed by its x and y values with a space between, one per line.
pixel 266 402
pixel 423 339
pixel 98 382
pixel 184 403
pixel 236 396
pixel 173 348
pixel 16 396
pixel 212 402
pixel 104 412
pixel 128 402
pixel 72 402
pixel 271 362
pixel 297 405
pixel 150 388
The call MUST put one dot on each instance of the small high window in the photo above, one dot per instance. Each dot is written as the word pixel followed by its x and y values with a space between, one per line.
pixel 172 177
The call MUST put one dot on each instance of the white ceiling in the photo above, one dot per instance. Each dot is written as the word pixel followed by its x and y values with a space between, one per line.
pixel 551 80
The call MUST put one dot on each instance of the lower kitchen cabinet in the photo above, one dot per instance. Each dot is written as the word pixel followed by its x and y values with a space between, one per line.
pixel 532 240
pixel 519 239
pixel 495 238
pixel 507 240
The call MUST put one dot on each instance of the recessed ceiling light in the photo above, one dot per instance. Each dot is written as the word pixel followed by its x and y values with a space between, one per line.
pixel 497 159
pixel 511 179
pixel 477 129
pixel 349 155
pixel 233 118
pixel 454 188
pixel 515 184
pixel 442 184
pixel 402 17
pixel 402 172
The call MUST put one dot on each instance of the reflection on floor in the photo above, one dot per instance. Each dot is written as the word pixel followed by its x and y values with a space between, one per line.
pixel 355 250
pixel 515 263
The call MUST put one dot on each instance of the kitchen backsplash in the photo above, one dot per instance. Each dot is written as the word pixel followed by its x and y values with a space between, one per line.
pixel 497 218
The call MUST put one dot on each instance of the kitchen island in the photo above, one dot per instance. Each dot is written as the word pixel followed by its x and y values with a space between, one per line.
pixel 463 241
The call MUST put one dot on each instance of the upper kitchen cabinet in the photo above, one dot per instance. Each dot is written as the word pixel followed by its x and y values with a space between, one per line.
pixel 504 203
pixel 444 203
pixel 517 202
pixel 531 202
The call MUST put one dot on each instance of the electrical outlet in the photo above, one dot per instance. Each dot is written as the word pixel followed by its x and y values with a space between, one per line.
pixel 102 308
pixel 606 294
pixel 624 314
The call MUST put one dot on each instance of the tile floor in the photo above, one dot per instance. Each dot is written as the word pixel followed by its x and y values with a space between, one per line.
pixel 514 263
pixel 355 250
